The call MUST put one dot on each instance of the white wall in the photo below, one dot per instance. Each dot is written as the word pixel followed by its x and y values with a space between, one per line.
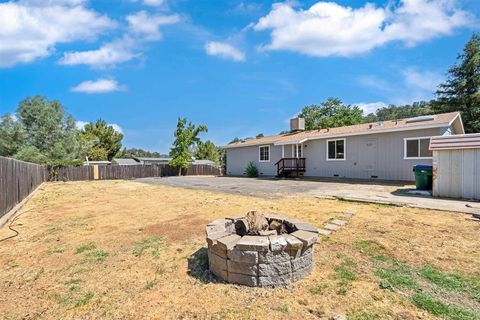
pixel 456 174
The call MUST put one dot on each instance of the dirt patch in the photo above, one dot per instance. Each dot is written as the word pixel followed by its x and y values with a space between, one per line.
pixel 109 249
pixel 178 229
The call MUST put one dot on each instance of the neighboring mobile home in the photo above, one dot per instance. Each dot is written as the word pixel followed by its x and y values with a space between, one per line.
pixel 385 150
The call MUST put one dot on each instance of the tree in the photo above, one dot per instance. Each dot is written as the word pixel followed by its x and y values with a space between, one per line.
pixel 12 136
pixel 393 112
pixel 207 151
pixel 330 114
pixel 235 140
pixel 105 139
pixel 186 136
pixel 50 132
pixel 134 152
pixel 461 91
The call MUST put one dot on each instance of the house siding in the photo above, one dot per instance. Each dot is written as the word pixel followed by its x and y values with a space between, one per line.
pixel 373 155
pixel 385 161
pixel 238 159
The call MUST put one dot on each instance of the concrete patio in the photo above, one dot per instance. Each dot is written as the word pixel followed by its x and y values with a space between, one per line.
pixel 378 192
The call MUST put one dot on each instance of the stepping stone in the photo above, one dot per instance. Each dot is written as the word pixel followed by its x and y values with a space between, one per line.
pixel 331 227
pixel 339 222
pixel 324 232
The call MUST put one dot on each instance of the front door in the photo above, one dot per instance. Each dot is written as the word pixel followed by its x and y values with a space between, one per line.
pixel 368 158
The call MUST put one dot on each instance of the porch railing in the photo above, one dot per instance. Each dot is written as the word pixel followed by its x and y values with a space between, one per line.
pixel 286 166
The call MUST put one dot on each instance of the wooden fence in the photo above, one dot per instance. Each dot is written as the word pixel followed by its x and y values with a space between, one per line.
pixel 17 180
pixel 114 172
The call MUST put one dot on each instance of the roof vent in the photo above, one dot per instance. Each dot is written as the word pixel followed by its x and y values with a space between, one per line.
pixel 297 124
pixel 420 119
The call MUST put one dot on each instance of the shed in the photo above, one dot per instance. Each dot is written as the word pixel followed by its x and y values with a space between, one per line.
pixel 456 166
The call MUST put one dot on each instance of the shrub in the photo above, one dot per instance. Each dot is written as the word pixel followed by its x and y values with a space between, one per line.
pixel 251 170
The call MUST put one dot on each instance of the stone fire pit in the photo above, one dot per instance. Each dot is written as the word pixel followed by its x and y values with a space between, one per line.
pixel 260 250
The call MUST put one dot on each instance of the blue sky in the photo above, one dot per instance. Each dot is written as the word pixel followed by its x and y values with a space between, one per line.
pixel 240 67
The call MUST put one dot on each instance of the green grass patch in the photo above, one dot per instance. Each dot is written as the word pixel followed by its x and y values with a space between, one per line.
pixel 84 300
pixel 74 284
pixel 370 247
pixel 150 284
pixel 56 250
pixel 97 256
pixel 85 247
pixel 345 273
pixel 438 308
pixel 282 308
pixel 452 282
pixel 398 275
pixel 152 243
pixel 318 289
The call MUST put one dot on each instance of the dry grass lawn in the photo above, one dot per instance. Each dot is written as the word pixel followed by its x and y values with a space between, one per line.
pixel 126 250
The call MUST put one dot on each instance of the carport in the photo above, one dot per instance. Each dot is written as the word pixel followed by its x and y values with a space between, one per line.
pixel 456 166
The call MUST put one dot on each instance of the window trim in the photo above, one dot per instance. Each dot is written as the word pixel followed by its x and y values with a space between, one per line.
pixel 405 148
pixel 295 150
pixel 344 149
pixel 259 153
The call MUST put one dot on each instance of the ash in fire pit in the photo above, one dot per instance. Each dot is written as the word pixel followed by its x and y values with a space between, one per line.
pixel 260 250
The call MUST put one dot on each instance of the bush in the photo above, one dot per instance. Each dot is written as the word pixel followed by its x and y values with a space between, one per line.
pixel 251 170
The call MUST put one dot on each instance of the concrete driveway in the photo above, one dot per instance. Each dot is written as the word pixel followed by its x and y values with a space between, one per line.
pixel 387 193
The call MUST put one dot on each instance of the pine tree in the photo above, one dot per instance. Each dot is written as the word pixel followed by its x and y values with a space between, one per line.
pixel 461 91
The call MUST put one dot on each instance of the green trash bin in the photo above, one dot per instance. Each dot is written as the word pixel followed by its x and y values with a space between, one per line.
pixel 423 176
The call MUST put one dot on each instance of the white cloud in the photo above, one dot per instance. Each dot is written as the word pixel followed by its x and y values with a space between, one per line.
pixel 146 25
pixel 109 54
pixel 370 107
pixel 422 80
pixel 152 3
pixel 30 29
pixel 413 84
pixel 224 50
pixel 80 125
pixel 142 27
pixel 116 127
pixel 327 28
pixel 98 86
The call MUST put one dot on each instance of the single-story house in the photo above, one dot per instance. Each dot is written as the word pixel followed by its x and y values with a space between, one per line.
pixel 204 162
pixel 125 162
pixel 385 150
pixel 147 161
pixel 96 163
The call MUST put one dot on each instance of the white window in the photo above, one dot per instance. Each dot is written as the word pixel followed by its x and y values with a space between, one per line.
pixel 417 148
pixel 336 149
pixel 264 153
pixel 297 151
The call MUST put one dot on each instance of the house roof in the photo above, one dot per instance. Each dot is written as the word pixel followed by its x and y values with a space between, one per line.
pixel 455 142
pixel 100 162
pixel 153 159
pixel 125 161
pixel 424 122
